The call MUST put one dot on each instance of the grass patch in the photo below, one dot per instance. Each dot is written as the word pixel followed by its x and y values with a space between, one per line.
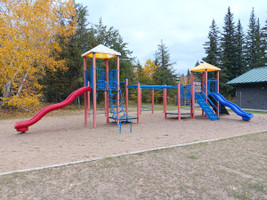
pixel 71 109
pixel 193 157
pixel 17 113
pixel 256 111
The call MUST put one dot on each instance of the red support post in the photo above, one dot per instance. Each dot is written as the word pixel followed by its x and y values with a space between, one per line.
pixel 118 86
pixel 218 78
pixel 88 100
pixel 106 92
pixel 193 100
pixel 191 77
pixel 138 103
pixel 85 95
pixel 202 88
pixel 179 100
pixel 206 83
pixel 126 96
pixel 165 103
pixel 94 90
pixel 153 101
pixel 206 88
pixel 140 100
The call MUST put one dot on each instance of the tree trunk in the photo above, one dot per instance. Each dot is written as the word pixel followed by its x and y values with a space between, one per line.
pixel 21 86
pixel 7 90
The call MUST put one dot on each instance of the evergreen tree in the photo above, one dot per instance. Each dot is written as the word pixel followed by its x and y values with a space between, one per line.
pixel 212 46
pixel 251 49
pixel 260 46
pixel 60 84
pixel 240 60
pixel 110 37
pixel 264 43
pixel 197 75
pixel 228 47
pixel 165 74
pixel 255 43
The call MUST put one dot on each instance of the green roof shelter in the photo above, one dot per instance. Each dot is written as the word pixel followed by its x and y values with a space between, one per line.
pixel 251 89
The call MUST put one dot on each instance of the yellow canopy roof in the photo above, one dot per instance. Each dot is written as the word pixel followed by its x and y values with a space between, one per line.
pixel 205 66
pixel 101 52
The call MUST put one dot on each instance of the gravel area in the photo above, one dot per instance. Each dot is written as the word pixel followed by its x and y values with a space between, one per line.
pixel 56 140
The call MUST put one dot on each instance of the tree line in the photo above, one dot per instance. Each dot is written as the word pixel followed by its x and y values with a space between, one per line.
pixel 41 51
pixel 42 43
pixel 234 50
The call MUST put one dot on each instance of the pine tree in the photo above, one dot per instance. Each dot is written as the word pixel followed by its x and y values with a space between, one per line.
pixel 197 76
pixel 240 60
pixel 228 48
pixel 228 45
pixel 212 46
pixel 260 46
pixel 60 84
pixel 251 49
pixel 165 74
pixel 264 43
pixel 110 37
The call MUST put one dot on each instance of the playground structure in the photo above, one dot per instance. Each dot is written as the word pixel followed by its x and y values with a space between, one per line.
pixel 205 93
pixel 107 81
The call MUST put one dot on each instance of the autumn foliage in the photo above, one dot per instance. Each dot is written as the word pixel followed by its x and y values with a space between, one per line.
pixel 28 46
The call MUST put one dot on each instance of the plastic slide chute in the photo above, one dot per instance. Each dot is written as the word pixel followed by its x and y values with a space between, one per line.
pixel 245 116
pixel 24 125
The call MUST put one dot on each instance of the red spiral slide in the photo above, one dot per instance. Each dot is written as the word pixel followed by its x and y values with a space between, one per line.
pixel 23 126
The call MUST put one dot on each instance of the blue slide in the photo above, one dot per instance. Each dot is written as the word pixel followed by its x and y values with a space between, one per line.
pixel 245 116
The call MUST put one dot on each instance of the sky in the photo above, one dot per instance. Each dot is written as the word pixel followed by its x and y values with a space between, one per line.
pixel 183 25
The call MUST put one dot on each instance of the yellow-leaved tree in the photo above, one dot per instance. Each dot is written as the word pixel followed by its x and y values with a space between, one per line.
pixel 149 69
pixel 28 45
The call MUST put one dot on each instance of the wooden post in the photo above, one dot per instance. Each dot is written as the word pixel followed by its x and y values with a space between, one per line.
pixel 88 100
pixel 140 100
pixel 193 100
pixel 85 94
pixel 206 88
pixel 94 90
pixel 179 100
pixel 191 77
pixel 218 105
pixel 165 102
pixel 202 87
pixel 153 98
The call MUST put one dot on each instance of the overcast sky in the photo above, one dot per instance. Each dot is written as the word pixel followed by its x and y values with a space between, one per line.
pixel 183 25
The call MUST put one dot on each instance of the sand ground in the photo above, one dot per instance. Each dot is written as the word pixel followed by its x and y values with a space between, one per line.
pixel 55 140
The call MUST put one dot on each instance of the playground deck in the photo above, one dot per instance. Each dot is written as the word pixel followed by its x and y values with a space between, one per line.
pixel 56 140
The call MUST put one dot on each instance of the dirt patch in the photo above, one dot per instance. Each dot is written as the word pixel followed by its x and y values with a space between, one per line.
pixel 55 140
pixel 227 169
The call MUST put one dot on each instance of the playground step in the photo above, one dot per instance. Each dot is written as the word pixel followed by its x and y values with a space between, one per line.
pixel 206 108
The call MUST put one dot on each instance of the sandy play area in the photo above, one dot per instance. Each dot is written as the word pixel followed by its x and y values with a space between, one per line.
pixel 56 140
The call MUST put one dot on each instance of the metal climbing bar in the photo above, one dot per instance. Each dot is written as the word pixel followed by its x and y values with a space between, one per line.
pixel 119 120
